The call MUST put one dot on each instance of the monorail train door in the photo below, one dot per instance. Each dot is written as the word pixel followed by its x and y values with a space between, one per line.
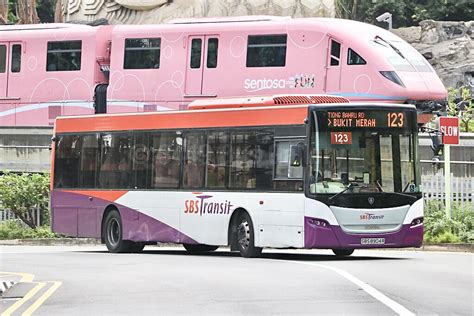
pixel 333 67
pixel 201 66
pixel 10 67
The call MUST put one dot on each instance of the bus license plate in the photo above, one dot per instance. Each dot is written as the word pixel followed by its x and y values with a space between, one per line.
pixel 372 241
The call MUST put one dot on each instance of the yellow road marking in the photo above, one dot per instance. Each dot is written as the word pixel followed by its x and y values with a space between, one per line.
pixel 28 295
pixel 42 299
pixel 25 277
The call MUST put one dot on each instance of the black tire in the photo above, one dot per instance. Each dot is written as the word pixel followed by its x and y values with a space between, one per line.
pixel 343 252
pixel 198 248
pixel 113 234
pixel 246 237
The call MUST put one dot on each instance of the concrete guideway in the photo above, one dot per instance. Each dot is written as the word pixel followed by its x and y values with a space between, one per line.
pixel 26 296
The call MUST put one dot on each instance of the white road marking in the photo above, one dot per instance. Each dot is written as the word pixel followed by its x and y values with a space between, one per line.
pixel 396 307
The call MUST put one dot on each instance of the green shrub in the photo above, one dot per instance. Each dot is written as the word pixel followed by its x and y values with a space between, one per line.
pixel 13 229
pixel 439 229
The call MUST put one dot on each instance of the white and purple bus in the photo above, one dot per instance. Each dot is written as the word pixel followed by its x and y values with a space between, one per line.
pixel 50 70
pixel 283 172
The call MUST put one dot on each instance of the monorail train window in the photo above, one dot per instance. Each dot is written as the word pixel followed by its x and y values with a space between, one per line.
pixel 196 48
pixel 142 53
pixel 266 50
pixel 64 56
pixel 16 58
pixel 335 53
pixel 212 46
pixel 354 59
pixel 3 58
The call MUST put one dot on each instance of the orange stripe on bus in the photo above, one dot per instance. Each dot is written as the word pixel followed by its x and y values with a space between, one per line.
pixel 110 196
pixel 185 119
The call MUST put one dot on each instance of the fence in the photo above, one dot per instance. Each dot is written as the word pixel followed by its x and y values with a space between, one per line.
pixel 36 212
pixel 462 189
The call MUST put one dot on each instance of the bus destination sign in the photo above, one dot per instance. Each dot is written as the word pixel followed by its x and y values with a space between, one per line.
pixel 365 119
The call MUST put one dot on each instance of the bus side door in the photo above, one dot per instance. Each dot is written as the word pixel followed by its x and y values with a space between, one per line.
pixel 201 63
pixel 333 67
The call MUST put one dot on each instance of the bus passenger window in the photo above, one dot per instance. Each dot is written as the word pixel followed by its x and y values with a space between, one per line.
pixel 166 151
pixel 142 53
pixel 196 47
pixel 354 59
pixel 64 56
pixel 266 51
pixel 16 58
pixel 335 53
pixel 217 148
pixel 243 160
pixel 3 58
pixel 194 160
pixel 212 48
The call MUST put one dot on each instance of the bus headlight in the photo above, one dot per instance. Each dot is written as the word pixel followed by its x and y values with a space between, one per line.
pixel 319 222
pixel 416 221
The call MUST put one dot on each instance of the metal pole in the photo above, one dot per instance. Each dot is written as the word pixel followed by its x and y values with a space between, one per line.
pixel 447 179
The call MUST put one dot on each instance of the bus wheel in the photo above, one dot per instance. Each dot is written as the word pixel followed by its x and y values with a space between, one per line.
pixel 113 234
pixel 196 249
pixel 246 237
pixel 343 252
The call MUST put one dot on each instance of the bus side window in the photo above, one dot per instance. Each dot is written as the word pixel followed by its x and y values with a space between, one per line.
pixel 194 160
pixel 243 160
pixel 217 149
pixel 166 156
pixel 335 53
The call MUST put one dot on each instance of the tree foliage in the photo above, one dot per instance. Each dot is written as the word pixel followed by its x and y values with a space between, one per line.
pixel 21 193
pixel 406 12
pixel 461 104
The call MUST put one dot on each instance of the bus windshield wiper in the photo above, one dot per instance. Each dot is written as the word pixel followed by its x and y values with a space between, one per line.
pixel 350 186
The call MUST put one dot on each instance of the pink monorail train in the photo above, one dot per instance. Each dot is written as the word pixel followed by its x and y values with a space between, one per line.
pixel 64 69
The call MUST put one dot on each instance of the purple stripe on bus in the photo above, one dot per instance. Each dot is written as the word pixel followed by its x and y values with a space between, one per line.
pixel 77 215
pixel 334 237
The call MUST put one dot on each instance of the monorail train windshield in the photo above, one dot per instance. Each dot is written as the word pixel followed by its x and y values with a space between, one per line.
pixel 363 151
pixel 402 56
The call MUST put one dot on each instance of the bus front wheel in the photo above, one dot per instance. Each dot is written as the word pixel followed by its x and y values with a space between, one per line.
pixel 246 237
pixel 113 235
pixel 343 252
pixel 196 249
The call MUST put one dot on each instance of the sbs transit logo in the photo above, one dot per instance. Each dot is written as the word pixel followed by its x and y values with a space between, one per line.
pixel 370 216
pixel 205 204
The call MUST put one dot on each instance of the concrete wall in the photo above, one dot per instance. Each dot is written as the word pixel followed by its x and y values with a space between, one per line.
pixel 25 149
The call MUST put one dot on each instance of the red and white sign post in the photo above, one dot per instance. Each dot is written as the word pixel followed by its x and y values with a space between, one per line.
pixel 449 127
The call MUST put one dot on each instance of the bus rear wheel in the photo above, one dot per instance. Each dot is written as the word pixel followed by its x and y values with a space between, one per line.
pixel 113 235
pixel 343 252
pixel 246 237
pixel 197 249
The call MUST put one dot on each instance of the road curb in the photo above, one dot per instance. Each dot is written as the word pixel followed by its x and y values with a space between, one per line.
pixel 93 242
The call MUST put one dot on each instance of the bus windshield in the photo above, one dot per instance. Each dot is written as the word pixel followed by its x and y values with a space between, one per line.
pixel 359 151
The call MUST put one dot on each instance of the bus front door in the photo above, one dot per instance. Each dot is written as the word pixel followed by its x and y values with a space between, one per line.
pixel 201 65
pixel 333 67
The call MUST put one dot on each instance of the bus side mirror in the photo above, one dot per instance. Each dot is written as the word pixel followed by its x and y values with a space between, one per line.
pixel 297 155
